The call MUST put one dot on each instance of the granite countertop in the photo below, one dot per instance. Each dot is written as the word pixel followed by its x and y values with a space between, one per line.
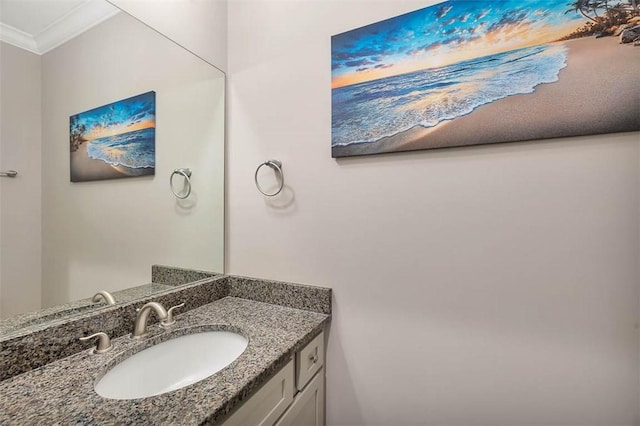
pixel 62 391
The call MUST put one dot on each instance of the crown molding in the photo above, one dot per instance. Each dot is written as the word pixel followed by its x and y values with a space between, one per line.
pixel 74 23
pixel 18 38
pixel 70 25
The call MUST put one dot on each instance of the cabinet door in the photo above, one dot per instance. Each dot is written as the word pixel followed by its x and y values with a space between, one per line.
pixel 266 405
pixel 307 408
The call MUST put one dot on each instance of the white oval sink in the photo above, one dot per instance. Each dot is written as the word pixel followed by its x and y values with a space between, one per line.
pixel 171 365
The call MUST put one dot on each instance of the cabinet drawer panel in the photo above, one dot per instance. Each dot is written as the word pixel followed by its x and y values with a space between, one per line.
pixel 309 360
pixel 266 405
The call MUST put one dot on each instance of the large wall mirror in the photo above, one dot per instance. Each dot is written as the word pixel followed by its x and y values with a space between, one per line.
pixel 62 241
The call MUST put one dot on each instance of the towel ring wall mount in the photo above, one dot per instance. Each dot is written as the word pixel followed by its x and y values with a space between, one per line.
pixel 276 165
pixel 186 173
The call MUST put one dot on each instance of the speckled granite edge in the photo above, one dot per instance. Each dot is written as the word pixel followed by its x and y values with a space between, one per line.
pixel 171 275
pixel 299 296
pixel 31 321
pixel 31 349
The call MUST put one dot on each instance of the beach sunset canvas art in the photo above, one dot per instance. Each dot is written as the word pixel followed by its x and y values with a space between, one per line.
pixel 113 141
pixel 477 72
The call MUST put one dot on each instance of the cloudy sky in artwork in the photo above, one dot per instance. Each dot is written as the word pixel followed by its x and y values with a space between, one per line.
pixel 124 116
pixel 446 33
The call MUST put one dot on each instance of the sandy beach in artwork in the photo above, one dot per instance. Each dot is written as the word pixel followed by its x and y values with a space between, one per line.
pixel 597 92
pixel 85 168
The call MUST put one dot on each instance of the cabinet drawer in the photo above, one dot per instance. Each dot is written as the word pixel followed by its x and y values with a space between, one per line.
pixel 266 405
pixel 309 360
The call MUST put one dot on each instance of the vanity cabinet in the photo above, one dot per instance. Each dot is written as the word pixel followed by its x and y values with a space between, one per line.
pixel 295 396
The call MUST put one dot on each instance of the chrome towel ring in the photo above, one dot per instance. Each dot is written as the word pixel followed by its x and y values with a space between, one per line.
pixel 8 173
pixel 277 168
pixel 186 173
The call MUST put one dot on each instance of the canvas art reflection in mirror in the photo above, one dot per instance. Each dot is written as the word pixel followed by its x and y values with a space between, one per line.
pixel 113 141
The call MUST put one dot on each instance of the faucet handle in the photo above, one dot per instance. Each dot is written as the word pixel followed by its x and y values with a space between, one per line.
pixel 170 320
pixel 104 343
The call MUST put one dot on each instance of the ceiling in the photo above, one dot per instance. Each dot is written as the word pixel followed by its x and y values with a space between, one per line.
pixel 41 25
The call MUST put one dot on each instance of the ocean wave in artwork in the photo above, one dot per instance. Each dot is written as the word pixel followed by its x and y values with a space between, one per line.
pixel 133 149
pixel 367 112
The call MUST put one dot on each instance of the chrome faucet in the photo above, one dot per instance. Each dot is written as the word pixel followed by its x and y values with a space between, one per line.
pixel 140 326
pixel 104 295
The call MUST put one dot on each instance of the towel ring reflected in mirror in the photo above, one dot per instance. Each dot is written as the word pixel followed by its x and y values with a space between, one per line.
pixel 8 173
pixel 277 168
pixel 186 173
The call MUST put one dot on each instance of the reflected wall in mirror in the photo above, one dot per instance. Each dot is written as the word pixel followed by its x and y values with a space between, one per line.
pixel 61 241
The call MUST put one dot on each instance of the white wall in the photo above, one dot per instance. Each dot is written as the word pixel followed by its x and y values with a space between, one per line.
pixel 476 286
pixel 20 204
pixel 107 234
pixel 201 26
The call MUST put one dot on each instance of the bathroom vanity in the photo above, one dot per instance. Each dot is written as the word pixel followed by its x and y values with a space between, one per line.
pixel 278 379
pixel 294 396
